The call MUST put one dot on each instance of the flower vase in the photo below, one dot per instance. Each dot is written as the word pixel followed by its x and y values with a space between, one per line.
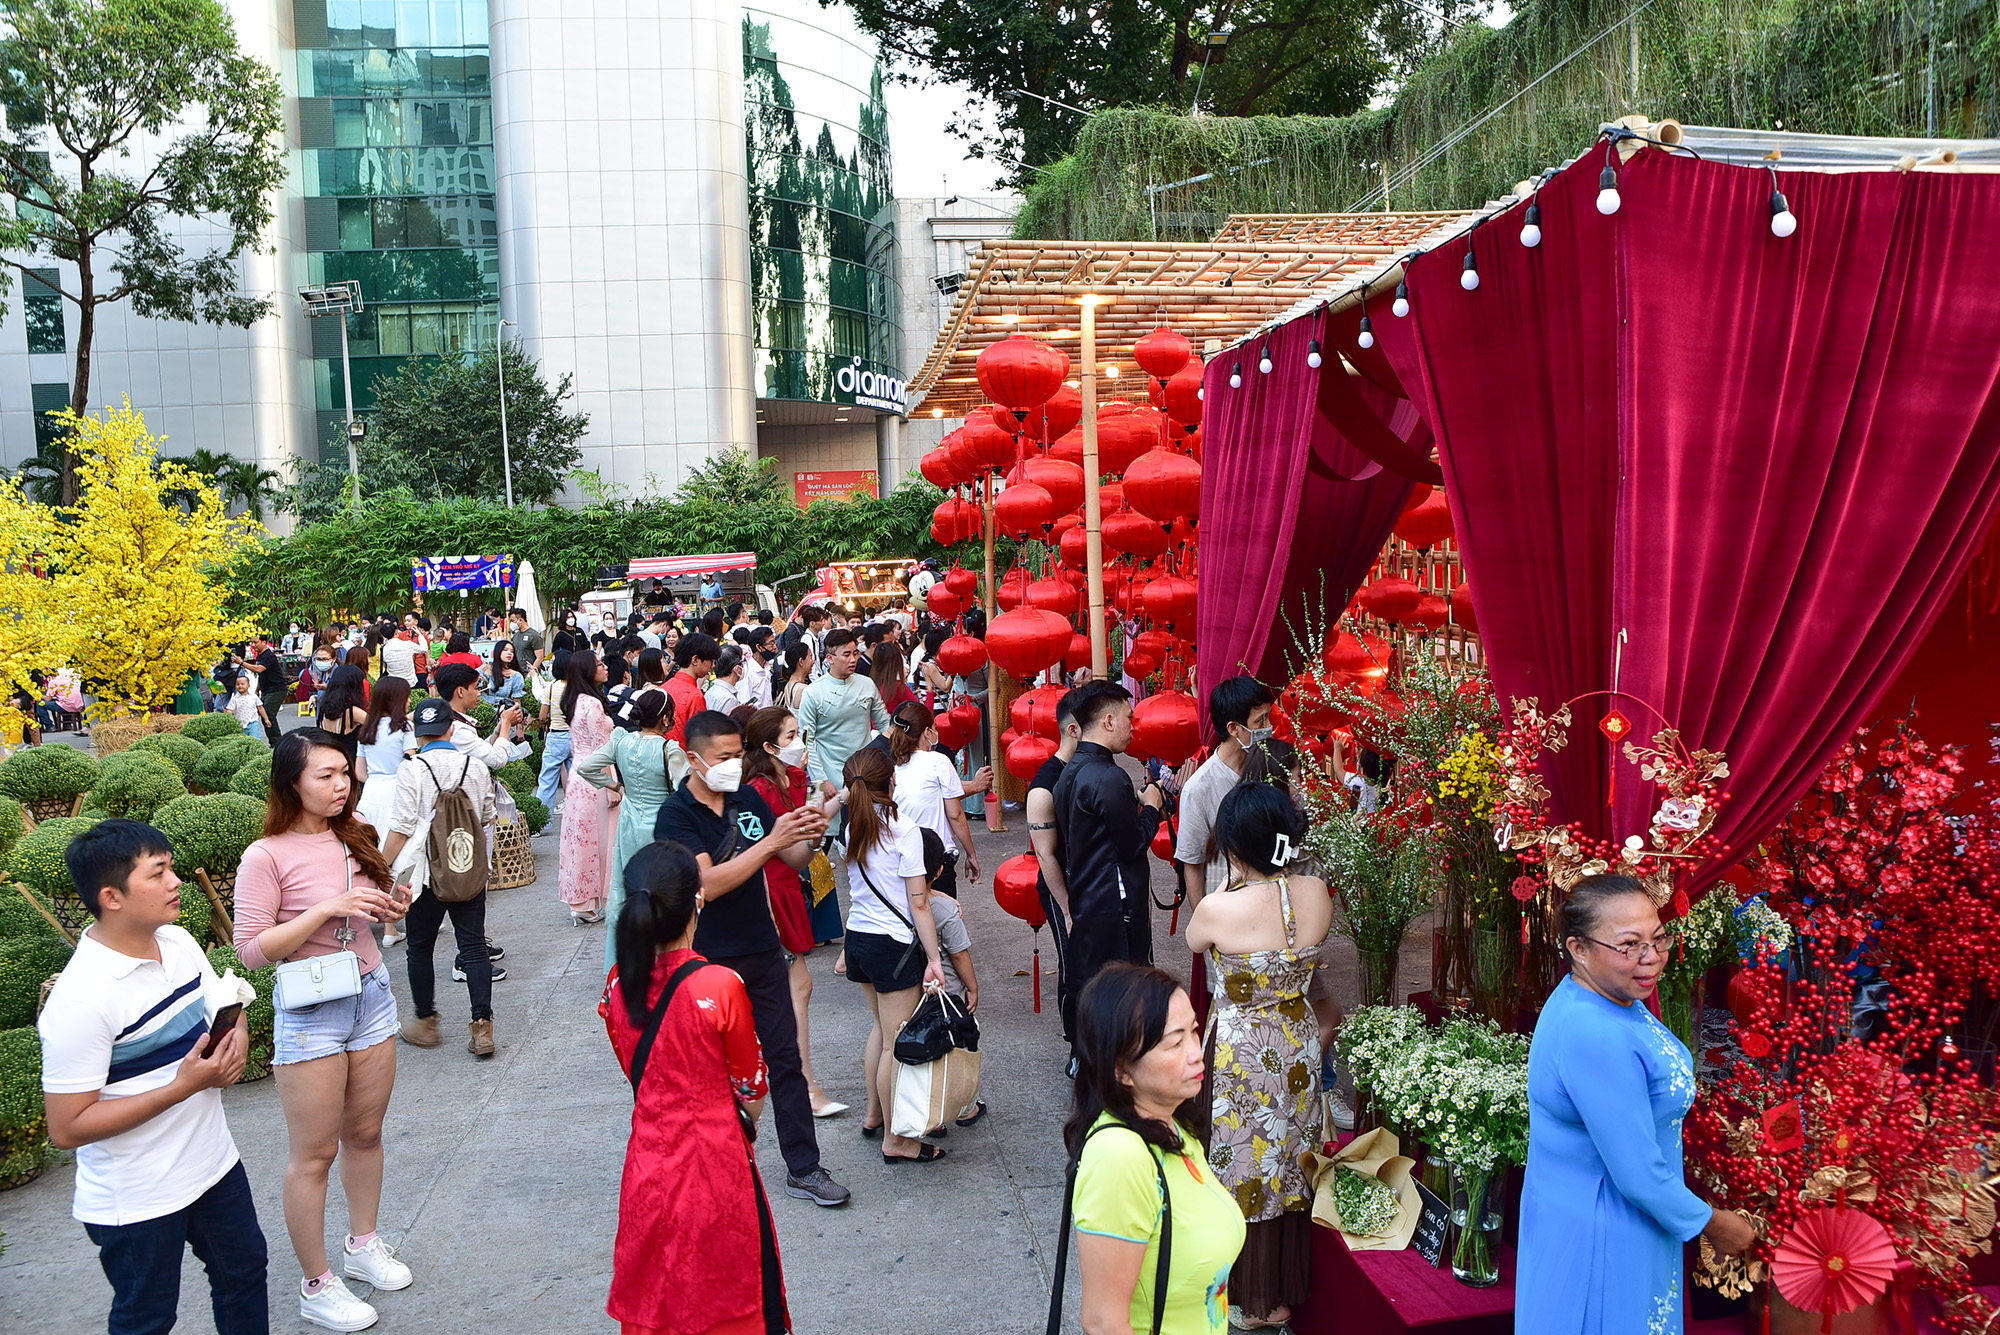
pixel 1489 972
pixel 1472 1261
pixel 1378 977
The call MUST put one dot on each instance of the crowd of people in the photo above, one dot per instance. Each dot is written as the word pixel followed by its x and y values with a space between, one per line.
pixel 735 793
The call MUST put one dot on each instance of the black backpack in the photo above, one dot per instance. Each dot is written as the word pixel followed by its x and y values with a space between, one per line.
pixel 1160 1272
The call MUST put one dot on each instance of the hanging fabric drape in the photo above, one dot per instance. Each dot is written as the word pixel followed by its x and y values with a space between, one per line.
pixel 1766 461
pixel 1285 501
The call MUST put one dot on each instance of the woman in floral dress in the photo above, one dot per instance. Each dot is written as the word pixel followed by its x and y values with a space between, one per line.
pixel 1263 933
pixel 583 864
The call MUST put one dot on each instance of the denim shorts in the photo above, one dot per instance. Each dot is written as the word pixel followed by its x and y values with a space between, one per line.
pixel 347 1025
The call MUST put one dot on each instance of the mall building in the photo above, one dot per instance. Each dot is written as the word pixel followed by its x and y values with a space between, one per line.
pixel 687 207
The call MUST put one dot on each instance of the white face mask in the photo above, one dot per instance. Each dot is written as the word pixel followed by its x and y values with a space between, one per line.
pixel 725 776
pixel 794 754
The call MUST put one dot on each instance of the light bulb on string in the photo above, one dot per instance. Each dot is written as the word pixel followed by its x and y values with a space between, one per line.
pixel 1468 277
pixel 1401 305
pixel 1783 221
pixel 1367 338
pixel 1607 184
pixel 1264 361
pixel 1531 228
pixel 1312 354
pixel 1236 375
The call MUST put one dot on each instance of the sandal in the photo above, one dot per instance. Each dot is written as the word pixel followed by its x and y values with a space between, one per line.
pixel 973 1120
pixel 871 1133
pixel 925 1154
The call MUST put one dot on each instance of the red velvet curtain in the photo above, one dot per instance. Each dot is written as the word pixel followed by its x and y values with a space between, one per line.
pixel 1766 461
pixel 1285 501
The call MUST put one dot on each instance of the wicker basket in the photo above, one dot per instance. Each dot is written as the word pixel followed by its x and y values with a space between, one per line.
pixel 221 892
pixel 513 856
pixel 50 808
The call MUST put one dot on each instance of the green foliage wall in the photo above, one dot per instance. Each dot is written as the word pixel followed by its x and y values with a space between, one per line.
pixel 1869 67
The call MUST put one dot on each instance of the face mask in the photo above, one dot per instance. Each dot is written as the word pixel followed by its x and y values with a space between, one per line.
pixel 725 776
pixel 1257 736
pixel 322 662
pixel 793 754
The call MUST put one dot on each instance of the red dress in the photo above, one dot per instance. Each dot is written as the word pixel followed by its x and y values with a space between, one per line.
pixel 781 883
pixel 696 1253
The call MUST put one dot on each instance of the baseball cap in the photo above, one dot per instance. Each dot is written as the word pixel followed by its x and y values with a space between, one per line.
pixel 431 718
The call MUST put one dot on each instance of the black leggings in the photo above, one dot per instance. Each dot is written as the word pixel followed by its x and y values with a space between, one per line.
pixel 468 924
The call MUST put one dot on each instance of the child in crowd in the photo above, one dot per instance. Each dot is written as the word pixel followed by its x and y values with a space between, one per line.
pixel 248 708
pixel 133 1085
pixel 955 946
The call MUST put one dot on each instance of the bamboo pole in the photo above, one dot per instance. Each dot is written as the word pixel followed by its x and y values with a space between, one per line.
pixel 1093 510
pixel 996 820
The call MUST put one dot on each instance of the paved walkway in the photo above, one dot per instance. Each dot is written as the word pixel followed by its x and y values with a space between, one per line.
pixel 502 1189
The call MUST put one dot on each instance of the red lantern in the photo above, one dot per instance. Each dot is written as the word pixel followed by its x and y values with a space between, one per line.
pixel 1054 418
pixel 965 719
pixel 961 655
pixel 943 603
pixel 1014 890
pixel 1123 437
pixel 1023 510
pixel 1140 665
pixel 988 448
pixel 1027 640
pixel 1426 524
pixel 1430 611
pixel 1169 601
pixel 1346 658
pixel 1183 393
pixel 1313 705
pixel 1166 726
pixel 1068 447
pixel 1392 598
pixel 1033 713
pixel 1062 481
pixel 940 469
pixel 1133 534
pixel 1053 595
pixel 1110 498
pixel 1027 754
pixel 1013 589
pixel 1074 546
pixel 1164 486
pixel 1021 372
pixel 956 521
pixel 1461 608
pixel 1155 644
pixel 953 731
pixel 1077 657
pixel 1163 842
pixel 961 582
pixel 1162 352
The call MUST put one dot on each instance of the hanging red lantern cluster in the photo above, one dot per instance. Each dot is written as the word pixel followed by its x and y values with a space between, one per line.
pixel 956 521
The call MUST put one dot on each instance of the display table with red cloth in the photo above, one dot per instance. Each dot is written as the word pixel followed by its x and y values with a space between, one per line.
pixel 1388 1293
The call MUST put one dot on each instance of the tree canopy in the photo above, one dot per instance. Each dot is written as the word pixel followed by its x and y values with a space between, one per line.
pixel 122 117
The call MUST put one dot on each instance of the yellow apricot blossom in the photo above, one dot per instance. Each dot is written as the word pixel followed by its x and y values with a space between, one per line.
pixel 34 632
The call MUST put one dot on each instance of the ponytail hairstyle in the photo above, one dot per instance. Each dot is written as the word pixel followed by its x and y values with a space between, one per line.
pixel 1120 1017
pixel 870 780
pixel 652 708
pixel 907 727
pixel 661 882
pixel 284 808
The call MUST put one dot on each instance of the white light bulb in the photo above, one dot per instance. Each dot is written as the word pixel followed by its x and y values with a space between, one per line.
pixel 1312 360
pixel 1531 236
pixel 1784 224
pixel 1400 307
pixel 1469 280
pixel 1200 393
pixel 1608 200
pixel 1367 339
pixel 1264 365
pixel 1235 380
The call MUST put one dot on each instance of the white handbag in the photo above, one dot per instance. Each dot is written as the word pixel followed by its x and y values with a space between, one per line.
pixel 302 984
pixel 925 1097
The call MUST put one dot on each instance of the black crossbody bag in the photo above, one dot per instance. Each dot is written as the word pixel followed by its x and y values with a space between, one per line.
pixel 644 1052
pixel 1160 1272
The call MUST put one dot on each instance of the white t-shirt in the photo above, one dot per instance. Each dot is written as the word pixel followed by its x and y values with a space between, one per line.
pixel 399 659
pixel 119 1024
pixel 899 853
pixel 243 704
pixel 924 783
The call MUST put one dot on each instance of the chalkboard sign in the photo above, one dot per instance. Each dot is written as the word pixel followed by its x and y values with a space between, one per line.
pixel 1433 1225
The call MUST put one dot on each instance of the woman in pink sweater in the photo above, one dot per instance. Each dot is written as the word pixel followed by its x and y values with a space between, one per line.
pixel 310 887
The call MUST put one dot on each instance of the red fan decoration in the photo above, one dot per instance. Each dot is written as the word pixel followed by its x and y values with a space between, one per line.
pixel 1020 372
pixel 1833 1261
pixel 961 655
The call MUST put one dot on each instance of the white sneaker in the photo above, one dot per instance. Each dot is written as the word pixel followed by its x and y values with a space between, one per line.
pixel 373 1263
pixel 1340 1110
pixel 335 1307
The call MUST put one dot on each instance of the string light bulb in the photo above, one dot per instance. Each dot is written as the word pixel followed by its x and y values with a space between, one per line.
pixel 1401 305
pixel 1783 221
pixel 1468 277
pixel 1367 339
pixel 1531 228
pixel 1312 354
pixel 1264 361
pixel 1236 375
pixel 1608 198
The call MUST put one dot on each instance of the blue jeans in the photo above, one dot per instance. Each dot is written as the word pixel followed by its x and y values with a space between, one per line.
pixel 143 1262
pixel 555 754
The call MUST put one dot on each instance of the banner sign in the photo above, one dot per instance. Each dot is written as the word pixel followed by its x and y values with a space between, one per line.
pixel 432 573
pixel 834 486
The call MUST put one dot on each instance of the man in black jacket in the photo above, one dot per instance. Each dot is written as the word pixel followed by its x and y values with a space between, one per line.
pixel 1105 832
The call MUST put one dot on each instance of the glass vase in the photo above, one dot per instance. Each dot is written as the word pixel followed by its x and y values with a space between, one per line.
pixel 1378 977
pixel 1472 1261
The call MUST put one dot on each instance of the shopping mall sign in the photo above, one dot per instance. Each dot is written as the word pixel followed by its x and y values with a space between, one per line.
pixel 834 486
pixel 871 389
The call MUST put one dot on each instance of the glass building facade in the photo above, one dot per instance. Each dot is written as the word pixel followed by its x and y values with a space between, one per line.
pixel 398 174
pixel 825 304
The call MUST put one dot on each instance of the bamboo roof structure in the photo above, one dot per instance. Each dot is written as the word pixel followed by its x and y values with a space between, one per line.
pixel 1257 267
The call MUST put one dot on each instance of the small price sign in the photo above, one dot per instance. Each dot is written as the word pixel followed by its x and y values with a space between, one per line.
pixel 1433 1225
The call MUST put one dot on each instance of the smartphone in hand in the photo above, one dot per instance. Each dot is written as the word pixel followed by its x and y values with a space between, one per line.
pixel 225 1020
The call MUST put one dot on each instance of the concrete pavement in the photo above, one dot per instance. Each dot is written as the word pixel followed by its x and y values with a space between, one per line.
pixel 502 1190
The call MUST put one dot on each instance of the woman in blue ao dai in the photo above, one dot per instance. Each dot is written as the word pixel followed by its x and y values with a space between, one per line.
pixel 1606 1205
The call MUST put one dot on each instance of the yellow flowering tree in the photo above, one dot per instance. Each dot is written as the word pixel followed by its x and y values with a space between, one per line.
pixel 139 577
pixel 34 632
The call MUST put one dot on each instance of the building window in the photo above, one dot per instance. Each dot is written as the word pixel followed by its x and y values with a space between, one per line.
pixel 445 329
pixel 47 398
pixel 42 305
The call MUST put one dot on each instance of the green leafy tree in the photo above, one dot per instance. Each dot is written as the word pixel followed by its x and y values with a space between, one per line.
pixel 1281 57
pixel 80 82
pixel 249 484
pixel 734 478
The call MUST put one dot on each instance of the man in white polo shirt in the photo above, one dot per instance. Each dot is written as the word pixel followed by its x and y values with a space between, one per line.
pixel 128 1088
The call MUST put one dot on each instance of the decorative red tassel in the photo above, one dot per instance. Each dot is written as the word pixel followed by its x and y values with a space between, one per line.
pixel 1038 974
pixel 1174 923
pixel 1770 1296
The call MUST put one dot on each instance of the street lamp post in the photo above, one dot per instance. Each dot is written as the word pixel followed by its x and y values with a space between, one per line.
pixel 339 299
pixel 506 454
